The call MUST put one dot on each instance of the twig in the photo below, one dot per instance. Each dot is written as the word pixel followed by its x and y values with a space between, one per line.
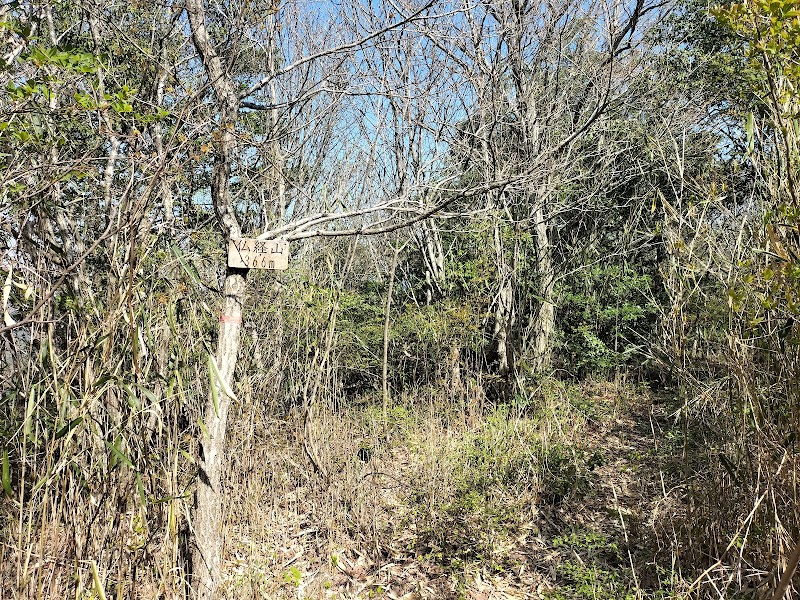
pixel 791 567
pixel 625 533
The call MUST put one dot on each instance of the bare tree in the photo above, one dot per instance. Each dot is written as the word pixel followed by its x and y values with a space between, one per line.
pixel 289 95
pixel 537 81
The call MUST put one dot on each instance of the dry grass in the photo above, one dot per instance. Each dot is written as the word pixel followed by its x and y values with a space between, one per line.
pixel 447 506
pixel 576 492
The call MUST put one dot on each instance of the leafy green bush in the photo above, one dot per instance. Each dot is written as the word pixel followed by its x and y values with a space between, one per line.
pixel 604 316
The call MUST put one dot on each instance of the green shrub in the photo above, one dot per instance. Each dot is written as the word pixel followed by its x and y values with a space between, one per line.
pixel 604 313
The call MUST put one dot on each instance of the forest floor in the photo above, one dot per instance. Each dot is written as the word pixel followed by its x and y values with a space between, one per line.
pixel 572 496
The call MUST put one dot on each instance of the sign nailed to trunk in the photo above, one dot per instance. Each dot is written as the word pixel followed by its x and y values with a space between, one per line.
pixel 249 253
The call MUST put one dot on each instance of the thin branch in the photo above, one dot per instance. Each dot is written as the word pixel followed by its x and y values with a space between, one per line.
pixel 329 51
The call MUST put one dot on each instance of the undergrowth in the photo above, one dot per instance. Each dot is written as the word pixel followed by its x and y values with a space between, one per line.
pixel 439 499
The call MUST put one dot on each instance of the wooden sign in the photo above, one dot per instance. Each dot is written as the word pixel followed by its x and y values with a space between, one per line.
pixel 248 253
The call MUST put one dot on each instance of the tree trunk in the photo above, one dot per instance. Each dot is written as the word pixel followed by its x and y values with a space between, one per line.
pixel 207 552
pixel 504 309
pixel 545 319
pixel 206 557
pixel 433 255
pixel 386 327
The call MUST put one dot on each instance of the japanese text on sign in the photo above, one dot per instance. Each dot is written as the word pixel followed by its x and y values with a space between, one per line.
pixel 248 253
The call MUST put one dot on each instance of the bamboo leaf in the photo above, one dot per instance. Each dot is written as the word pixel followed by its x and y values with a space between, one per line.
pixel 7 475
pixel 728 467
pixel 102 380
pixel 41 483
pixel 148 394
pixel 224 384
pixel 133 401
pixel 117 454
pixel 27 427
pixel 173 323
pixel 100 340
pixel 68 427
pixel 6 293
pixel 98 585
pixel 187 266
pixel 140 487
pixel 203 428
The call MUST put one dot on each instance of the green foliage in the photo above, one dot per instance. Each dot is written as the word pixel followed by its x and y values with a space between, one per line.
pixel 565 472
pixel 767 297
pixel 420 337
pixel 72 59
pixel 470 269
pixel 590 541
pixel 706 58
pixel 293 576
pixel 591 583
pixel 598 574
pixel 494 478
pixel 605 316
pixel 770 29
